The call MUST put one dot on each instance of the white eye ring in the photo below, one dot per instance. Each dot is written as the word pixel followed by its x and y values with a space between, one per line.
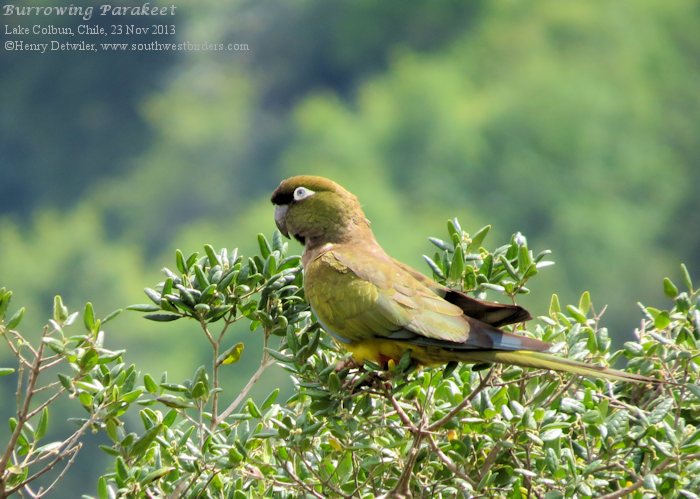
pixel 302 193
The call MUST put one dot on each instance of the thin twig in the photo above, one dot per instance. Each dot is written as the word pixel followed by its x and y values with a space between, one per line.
pixel 64 450
pixel 323 481
pixel 264 364
pixel 448 462
pixel 640 481
pixel 46 403
pixel 490 459
pixel 23 411
pixel 402 414
pixel 402 486
pixel 50 362
pixel 302 484
pixel 73 452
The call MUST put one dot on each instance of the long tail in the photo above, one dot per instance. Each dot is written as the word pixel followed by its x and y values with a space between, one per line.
pixel 540 360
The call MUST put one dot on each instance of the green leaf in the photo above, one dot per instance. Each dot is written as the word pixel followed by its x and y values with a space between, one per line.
pixel 89 359
pixel 153 295
pixel 190 260
pixel 226 279
pixel 131 396
pixel 270 399
pixel 444 246
pixel 66 382
pixel 60 312
pixel 102 488
pixel 569 405
pixel 661 410
pixel 434 267
pixel 211 255
pixel 162 317
pixel 89 317
pixel 493 287
pixel 524 259
pixel 686 278
pixel 5 371
pixel 5 298
pixel 199 390
pixel 449 369
pixel 121 469
pixel 180 261
pixel 143 307
pixel 277 242
pixel 576 313
pixel 554 307
pixel 550 435
pixel 150 384
pixel 200 276
pixel 15 319
pixel 584 303
pixel 280 356
pixel 144 441
pixel 232 355
pixel 662 320
pixel 457 266
pixel 85 399
pixel 478 239
pixel 264 246
pixel 43 424
pixel 170 418
pixel 111 316
pixel 695 390
pixel 454 230
pixel 173 401
pixel 156 474
pixel 670 289
pixel 253 409
pixel 509 268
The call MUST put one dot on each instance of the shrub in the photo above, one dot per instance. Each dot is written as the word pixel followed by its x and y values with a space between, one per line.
pixel 348 432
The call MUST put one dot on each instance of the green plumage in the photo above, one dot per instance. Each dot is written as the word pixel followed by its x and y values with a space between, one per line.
pixel 378 308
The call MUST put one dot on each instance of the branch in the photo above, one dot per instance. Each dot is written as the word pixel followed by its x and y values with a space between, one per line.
pixel 301 483
pixel 659 467
pixel 264 364
pixel 449 463
pixel 23 411
pixel 73 452
pixel 402 486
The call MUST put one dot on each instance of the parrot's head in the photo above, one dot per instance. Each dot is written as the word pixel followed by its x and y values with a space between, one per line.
pixel 316 210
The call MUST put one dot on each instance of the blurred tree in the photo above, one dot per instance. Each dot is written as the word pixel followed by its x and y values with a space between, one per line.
pixel 306 46
pixel 66 123
pixel 542 119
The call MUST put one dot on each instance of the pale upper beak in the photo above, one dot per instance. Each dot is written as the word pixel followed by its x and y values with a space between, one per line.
pixel 281 218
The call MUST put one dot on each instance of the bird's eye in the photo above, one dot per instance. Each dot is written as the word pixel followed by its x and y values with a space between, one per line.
pixel 302 193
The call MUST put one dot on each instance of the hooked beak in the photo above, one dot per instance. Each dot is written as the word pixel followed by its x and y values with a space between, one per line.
pixel 281 218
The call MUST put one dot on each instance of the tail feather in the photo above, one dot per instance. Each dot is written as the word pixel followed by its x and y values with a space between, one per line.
pixel 540 360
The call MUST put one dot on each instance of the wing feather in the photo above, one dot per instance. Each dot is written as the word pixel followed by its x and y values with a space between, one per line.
pixel 359 302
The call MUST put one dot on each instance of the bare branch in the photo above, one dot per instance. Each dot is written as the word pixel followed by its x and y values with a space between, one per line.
pixel 264 364
pixel 448 462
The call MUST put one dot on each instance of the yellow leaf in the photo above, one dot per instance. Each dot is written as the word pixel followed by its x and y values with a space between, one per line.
pixel 335 443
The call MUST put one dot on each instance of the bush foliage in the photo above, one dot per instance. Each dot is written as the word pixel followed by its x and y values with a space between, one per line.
pixel 460 430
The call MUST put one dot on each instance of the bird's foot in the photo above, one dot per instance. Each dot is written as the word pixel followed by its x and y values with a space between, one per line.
pixel 347 364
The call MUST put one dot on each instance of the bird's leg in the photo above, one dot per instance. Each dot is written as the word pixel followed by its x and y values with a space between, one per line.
pixel 361 375
pixel 347 364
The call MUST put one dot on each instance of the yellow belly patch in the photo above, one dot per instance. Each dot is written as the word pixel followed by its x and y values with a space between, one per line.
pixel 381 351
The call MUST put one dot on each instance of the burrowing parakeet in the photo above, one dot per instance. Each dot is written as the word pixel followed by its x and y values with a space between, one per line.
pixel 378 308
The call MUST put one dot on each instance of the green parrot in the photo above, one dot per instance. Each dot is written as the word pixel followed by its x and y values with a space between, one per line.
pixel 378 308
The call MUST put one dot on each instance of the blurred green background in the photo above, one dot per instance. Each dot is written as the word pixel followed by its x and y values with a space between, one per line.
pixel 575 123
